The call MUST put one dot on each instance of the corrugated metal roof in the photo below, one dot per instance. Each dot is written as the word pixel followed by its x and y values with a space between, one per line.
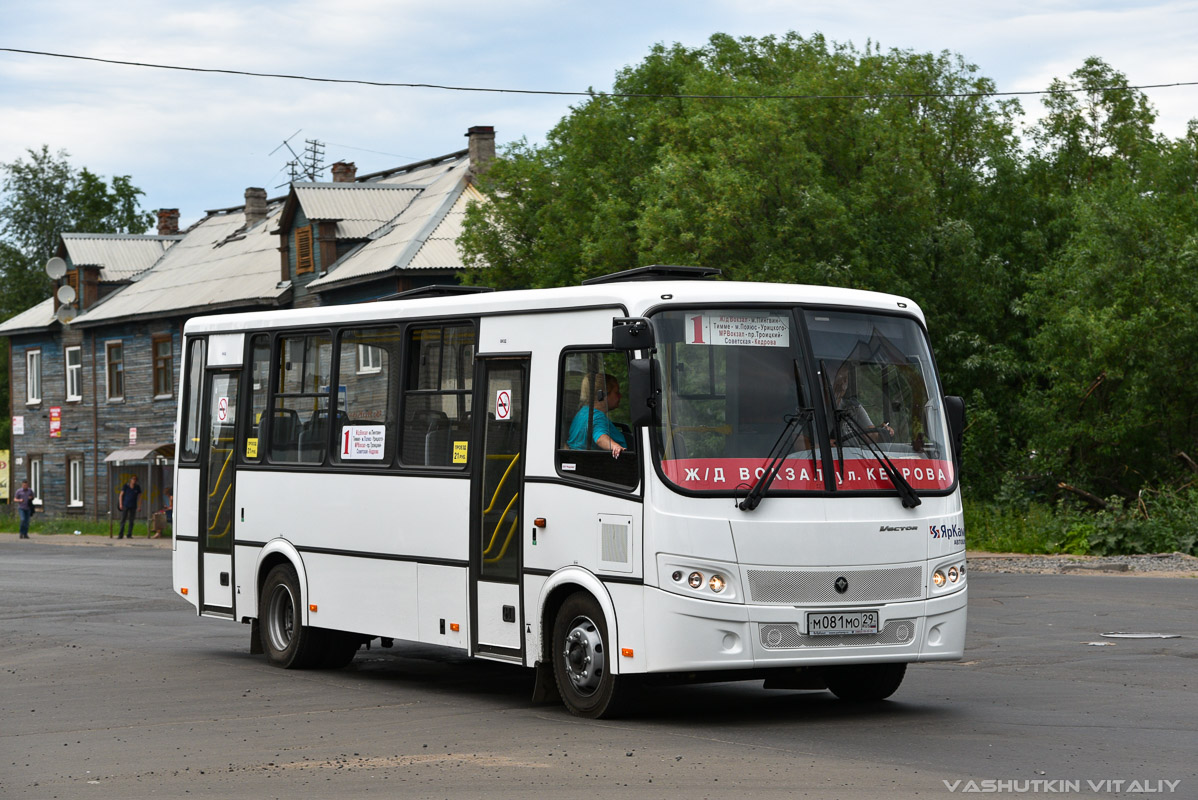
pixel 354 201
pixel 31 319
pixel 215 266
pixel 440 249
pixel 401 241
pixel 119 256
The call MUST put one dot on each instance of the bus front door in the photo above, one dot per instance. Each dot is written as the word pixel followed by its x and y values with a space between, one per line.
pixel 497 507
pixel 216 502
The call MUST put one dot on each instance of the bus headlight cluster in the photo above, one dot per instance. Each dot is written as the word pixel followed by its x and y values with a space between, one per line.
pixel 948 575
pixel 713 580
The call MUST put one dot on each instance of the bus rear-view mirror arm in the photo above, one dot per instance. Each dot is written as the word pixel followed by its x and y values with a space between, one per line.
pixel 954 409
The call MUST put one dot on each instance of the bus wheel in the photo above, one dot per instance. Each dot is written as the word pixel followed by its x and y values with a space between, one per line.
pixel 864 683
pixel 287 642
pixel 581 662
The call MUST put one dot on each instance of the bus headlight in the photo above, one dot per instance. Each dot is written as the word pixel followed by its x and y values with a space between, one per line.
pixel 699 578
pixel 952 574
pixel 938 577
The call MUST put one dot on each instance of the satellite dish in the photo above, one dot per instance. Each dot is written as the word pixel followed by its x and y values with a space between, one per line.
pixel 56 268
pixel 66 293
pixel 65 314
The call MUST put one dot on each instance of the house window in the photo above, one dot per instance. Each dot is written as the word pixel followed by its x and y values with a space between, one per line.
pixel 74 356
pixel 164 366
pixel 370 359
pixel 35 478
pixel 75 481
pixel 114 353
pixel 303 250
pixel 33 377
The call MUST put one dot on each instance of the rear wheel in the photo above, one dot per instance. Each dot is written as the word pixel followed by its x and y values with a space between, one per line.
pixel 581 661
pixel 287 642
pixel 864 683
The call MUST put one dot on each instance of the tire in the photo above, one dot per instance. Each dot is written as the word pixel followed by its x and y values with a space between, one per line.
pixel 864 683
pixel 582 661
pixel 286 642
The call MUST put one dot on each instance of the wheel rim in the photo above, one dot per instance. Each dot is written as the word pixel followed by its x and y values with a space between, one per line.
pixel 583 656
pixel 280 618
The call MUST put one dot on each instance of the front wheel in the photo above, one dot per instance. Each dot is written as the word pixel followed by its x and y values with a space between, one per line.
pixel 581 660
pixel 864 683
pixel 287 642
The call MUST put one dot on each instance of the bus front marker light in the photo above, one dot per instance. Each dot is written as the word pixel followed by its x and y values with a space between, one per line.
pixel 717 583
pixel 938 577
pixel 952 574
pixel 695 580
pixel 312 607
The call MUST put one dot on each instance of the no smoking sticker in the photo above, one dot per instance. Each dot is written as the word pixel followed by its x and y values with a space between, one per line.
pixel 503 405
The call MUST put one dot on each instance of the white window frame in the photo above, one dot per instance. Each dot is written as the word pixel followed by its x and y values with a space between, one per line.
pixel 35 479
pixel 370 360
pixel 108 348
pixel 74 373
pixel 33 377
pixel 75 482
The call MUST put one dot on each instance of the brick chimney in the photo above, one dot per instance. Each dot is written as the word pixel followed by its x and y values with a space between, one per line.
pixel 344 172
pixel 168 221
pixel 255 206
pixel 481 149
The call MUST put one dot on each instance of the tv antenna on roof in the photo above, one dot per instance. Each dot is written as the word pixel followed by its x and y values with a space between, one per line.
pixel 310 164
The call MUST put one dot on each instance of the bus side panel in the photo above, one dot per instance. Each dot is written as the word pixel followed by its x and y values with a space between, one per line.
pixel 379 515
pixel 443 602
pixel 186 559
pixel 371 596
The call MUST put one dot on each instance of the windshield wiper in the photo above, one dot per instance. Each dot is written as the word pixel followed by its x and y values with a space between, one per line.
pixel 906 492
pixel 778 452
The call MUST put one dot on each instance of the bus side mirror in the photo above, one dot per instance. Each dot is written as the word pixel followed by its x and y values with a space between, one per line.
pixel 644 391
pixel 631 333
pixel 954 409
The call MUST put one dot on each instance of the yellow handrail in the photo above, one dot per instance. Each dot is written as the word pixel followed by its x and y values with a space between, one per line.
pixel 491 543
pixel 506 472
pixel 225 466
pixel 506 542
pixel 216 516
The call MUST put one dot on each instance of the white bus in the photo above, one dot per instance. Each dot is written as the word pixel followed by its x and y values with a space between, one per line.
pixel 654 476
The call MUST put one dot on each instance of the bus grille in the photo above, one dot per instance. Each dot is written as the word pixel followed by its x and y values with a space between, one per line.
pixel 786 636
pixel 797 587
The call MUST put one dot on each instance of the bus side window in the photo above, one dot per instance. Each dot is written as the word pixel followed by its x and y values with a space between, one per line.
pixel 300 413
pixel 591 415
pixel 259 388
pixel 437 396
pixel 367 396
pixel 193 390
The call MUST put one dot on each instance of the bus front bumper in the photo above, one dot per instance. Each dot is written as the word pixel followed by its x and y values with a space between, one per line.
pixel 693 635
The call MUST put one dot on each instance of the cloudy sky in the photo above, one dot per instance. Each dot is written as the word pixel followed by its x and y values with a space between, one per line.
pixel 196 141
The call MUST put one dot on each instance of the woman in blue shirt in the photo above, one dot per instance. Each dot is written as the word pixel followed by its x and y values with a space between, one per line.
pixel 605 399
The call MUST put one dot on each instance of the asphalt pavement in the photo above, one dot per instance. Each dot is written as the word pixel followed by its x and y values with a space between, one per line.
pixel 111 687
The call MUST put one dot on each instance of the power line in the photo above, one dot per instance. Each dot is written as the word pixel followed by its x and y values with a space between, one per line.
pixel 444 87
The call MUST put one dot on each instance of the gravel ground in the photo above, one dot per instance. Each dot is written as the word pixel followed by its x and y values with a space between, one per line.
pixel 1163 565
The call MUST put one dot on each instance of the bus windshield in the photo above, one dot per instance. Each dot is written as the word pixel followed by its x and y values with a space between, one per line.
pixel 734 380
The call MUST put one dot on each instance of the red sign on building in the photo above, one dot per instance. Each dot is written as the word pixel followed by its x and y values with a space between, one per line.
pixel 56 421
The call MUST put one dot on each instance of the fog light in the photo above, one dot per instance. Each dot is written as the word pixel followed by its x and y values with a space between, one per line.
pixel 717 583
pixel 677 576
pixel 695 580
pixel 938 578
pixel 952 574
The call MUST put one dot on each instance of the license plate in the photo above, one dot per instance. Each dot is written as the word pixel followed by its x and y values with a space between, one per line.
pixel 840 623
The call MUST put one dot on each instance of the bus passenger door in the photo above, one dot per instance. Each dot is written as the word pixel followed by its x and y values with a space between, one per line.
pixel 497 505
pixel 216 502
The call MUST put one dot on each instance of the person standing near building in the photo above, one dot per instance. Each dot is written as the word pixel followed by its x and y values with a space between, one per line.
pixel 24 497
pixel 127 503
